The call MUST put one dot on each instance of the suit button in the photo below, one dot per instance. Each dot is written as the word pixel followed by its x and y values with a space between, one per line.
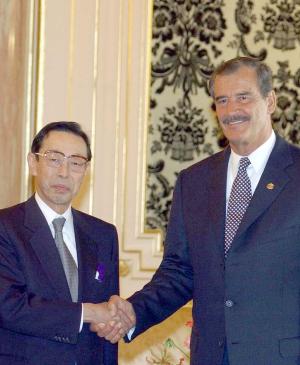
pixel 229 303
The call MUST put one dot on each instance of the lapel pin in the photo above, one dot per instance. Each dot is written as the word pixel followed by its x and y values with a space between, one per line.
pixel 270 186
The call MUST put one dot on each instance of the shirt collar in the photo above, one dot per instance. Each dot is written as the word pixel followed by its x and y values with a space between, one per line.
pixel 258 158
pixel 50 214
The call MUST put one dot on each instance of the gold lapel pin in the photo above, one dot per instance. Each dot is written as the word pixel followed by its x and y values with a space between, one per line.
pixel 270 186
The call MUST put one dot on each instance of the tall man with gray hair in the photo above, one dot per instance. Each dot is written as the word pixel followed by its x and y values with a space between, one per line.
pixel 233 239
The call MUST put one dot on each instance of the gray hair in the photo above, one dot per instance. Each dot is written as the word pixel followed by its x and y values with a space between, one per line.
pixel 263 73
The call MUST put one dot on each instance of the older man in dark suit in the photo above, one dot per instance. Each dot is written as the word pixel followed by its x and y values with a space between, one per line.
pixel 233 240
pixel 56 263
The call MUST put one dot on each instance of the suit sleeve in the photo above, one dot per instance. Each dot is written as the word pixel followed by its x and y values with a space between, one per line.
pixel 25 312
pixel 172 285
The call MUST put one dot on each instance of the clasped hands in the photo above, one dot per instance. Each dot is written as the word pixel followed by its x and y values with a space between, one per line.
pixel 111 320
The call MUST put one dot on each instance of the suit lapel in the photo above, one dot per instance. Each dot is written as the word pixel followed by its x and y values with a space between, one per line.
pixel 274 176
pixel 44 247
pixel 86 254
pixel 217 193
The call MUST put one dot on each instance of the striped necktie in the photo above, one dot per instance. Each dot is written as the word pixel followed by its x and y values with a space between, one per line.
pixel 67 259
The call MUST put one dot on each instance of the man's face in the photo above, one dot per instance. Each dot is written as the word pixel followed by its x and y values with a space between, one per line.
pixel 244 114
pixel 57 186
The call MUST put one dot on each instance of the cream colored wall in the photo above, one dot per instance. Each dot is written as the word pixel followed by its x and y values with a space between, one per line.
pixel 16 52
pixel 94 68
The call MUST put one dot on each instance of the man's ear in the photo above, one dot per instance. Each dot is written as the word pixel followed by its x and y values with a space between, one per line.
pixel 272 101
pixel 32 163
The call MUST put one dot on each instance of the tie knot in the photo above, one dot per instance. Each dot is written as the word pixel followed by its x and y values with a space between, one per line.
pixel 244 163
pixel 58 224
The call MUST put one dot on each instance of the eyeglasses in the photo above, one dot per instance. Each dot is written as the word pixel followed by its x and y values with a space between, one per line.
pixel 56 159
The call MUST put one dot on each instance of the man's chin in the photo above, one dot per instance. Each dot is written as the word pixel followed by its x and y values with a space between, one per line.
pixel 240 146
pixel 62 199
pixel 236 132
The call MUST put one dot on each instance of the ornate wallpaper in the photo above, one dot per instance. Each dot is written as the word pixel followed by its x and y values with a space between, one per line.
pixel 190 38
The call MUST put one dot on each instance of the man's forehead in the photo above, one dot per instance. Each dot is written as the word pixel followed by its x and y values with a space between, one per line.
pixel 242 80
pixel 64 141
pixel 57 136
pixel 247 72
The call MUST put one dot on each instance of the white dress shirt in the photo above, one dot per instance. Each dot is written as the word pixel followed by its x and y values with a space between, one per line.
pixel 68 231
pixel 258 159
pixel 68 228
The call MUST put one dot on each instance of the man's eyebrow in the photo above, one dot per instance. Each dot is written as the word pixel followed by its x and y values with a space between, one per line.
pixel 50 150
pixel 244 93
pixel 220 97
pixel 241 93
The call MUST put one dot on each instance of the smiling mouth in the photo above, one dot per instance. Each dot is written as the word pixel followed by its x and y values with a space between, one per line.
pixel 236 122
pixel 235 119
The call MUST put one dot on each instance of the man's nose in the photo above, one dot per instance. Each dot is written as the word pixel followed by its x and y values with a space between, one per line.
pixel 231 106
pixel 64 168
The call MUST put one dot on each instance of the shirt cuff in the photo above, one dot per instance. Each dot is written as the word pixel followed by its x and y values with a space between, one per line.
pixel 81 320
pixel 130 333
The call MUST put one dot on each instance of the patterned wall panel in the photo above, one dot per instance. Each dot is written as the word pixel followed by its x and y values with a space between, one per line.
pixel 190 38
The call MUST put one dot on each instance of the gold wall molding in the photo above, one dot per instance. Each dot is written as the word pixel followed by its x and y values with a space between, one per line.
pixel 19 22
pixel 94 67
pixel 121 134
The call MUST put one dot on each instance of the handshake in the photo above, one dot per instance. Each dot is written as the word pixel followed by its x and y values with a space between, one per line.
pixel 111 320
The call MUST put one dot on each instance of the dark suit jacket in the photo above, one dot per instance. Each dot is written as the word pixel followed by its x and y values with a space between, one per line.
pixel 252 299
pixel 39 324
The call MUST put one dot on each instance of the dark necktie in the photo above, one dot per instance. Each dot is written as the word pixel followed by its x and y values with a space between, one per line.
pixel 239 200
pixel 67 260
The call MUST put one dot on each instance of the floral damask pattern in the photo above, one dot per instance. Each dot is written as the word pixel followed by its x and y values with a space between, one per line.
pixel 190 38
pixel 211 24
pixel 245 19
pixel 182 131
pixel 159 202
pixel 287 115
pixel 180 30
pixel 282 23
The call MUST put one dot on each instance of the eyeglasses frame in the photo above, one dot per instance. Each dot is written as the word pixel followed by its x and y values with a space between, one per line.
pixel 44 154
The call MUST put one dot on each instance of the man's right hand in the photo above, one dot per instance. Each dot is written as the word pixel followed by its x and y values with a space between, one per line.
pixel 125 319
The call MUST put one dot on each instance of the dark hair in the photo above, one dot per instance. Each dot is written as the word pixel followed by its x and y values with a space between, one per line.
pixel 263 73
pixel 69 127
